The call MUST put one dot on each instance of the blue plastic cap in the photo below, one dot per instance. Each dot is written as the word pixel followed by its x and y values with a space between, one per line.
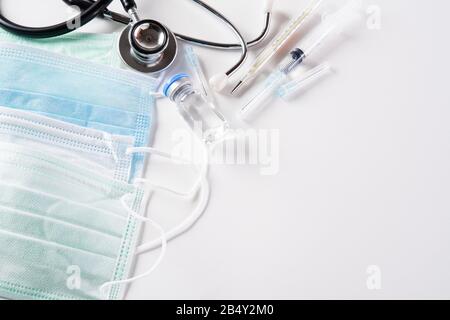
pixel 172 80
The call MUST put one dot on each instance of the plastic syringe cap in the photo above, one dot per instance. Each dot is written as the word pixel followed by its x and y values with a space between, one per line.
pixel 172 80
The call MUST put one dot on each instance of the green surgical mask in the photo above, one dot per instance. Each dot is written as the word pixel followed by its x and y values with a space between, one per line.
pixel 65 231
pixel 98 48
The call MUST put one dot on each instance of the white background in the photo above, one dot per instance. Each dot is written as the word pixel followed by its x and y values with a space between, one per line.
pixel 363 165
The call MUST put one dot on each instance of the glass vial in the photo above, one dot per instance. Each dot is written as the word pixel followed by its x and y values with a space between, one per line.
pixel 195 109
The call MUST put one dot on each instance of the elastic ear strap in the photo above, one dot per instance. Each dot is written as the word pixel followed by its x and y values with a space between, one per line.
pixel 156 152
pixel 165 237
pixel 163 245
pixel 157 95
pixel 187 224
pixel 193 190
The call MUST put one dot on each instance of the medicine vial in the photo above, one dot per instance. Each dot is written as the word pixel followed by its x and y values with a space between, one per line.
pixel 202 116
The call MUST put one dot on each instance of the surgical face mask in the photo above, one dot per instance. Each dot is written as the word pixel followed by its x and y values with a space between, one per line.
pixel 67 232
pixel 70 232
pixel 114 101
pixel 52 201
pixel 58 210
pixel 97 48
pixel 40 125
pixel 56 217
pixel 103 152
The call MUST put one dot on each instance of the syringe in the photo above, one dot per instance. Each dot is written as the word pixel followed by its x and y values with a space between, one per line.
pixel 289 89
pixel 333 24
pixel 272 83
pixel 267 54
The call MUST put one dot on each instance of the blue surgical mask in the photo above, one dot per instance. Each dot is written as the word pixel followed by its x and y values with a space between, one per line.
pixel 51 173
pixel 65 201
pixel 89 95
pixel 106 120
pixel 103 152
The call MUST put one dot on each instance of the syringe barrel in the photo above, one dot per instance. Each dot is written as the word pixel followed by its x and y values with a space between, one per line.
pixel 289 89
pixel 266 55
pixel 335 23
pixel 264 97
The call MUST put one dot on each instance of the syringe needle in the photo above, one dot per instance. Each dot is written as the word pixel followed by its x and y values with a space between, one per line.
pixel 237 87
pixel 266 55
pixel 334 24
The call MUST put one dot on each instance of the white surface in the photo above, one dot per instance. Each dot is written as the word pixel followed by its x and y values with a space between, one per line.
pixel 363 176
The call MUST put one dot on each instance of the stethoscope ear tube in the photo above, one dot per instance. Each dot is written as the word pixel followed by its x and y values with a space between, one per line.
pixel 95 9
pixel 107 14
pixel 243 43
pixel 128 4
pixel 91 9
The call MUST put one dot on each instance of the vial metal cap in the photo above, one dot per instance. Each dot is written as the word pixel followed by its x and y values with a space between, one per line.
pixel 174 83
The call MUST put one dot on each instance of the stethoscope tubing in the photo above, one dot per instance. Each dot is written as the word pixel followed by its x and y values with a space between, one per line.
pixel 98 8
pixel 238 34
pixel 229 46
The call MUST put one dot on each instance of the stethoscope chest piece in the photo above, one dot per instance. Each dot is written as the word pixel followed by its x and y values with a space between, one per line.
pixel 148 46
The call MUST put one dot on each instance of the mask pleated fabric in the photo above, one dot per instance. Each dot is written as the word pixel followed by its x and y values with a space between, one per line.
pixel 78 92
pixel 65 192
pixel 93 47
pixel 106 153
pixel 56 216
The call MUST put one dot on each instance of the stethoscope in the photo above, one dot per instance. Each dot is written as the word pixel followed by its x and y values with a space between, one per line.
pixel 145 45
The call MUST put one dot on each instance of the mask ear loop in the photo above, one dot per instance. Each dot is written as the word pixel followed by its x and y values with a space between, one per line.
pixel 198 182
pixel 157 95
pixel 184 226
pixel 201 184
pixel 162 243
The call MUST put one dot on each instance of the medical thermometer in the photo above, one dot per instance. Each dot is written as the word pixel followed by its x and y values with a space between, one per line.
pixel 334 23
pixel 265 56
